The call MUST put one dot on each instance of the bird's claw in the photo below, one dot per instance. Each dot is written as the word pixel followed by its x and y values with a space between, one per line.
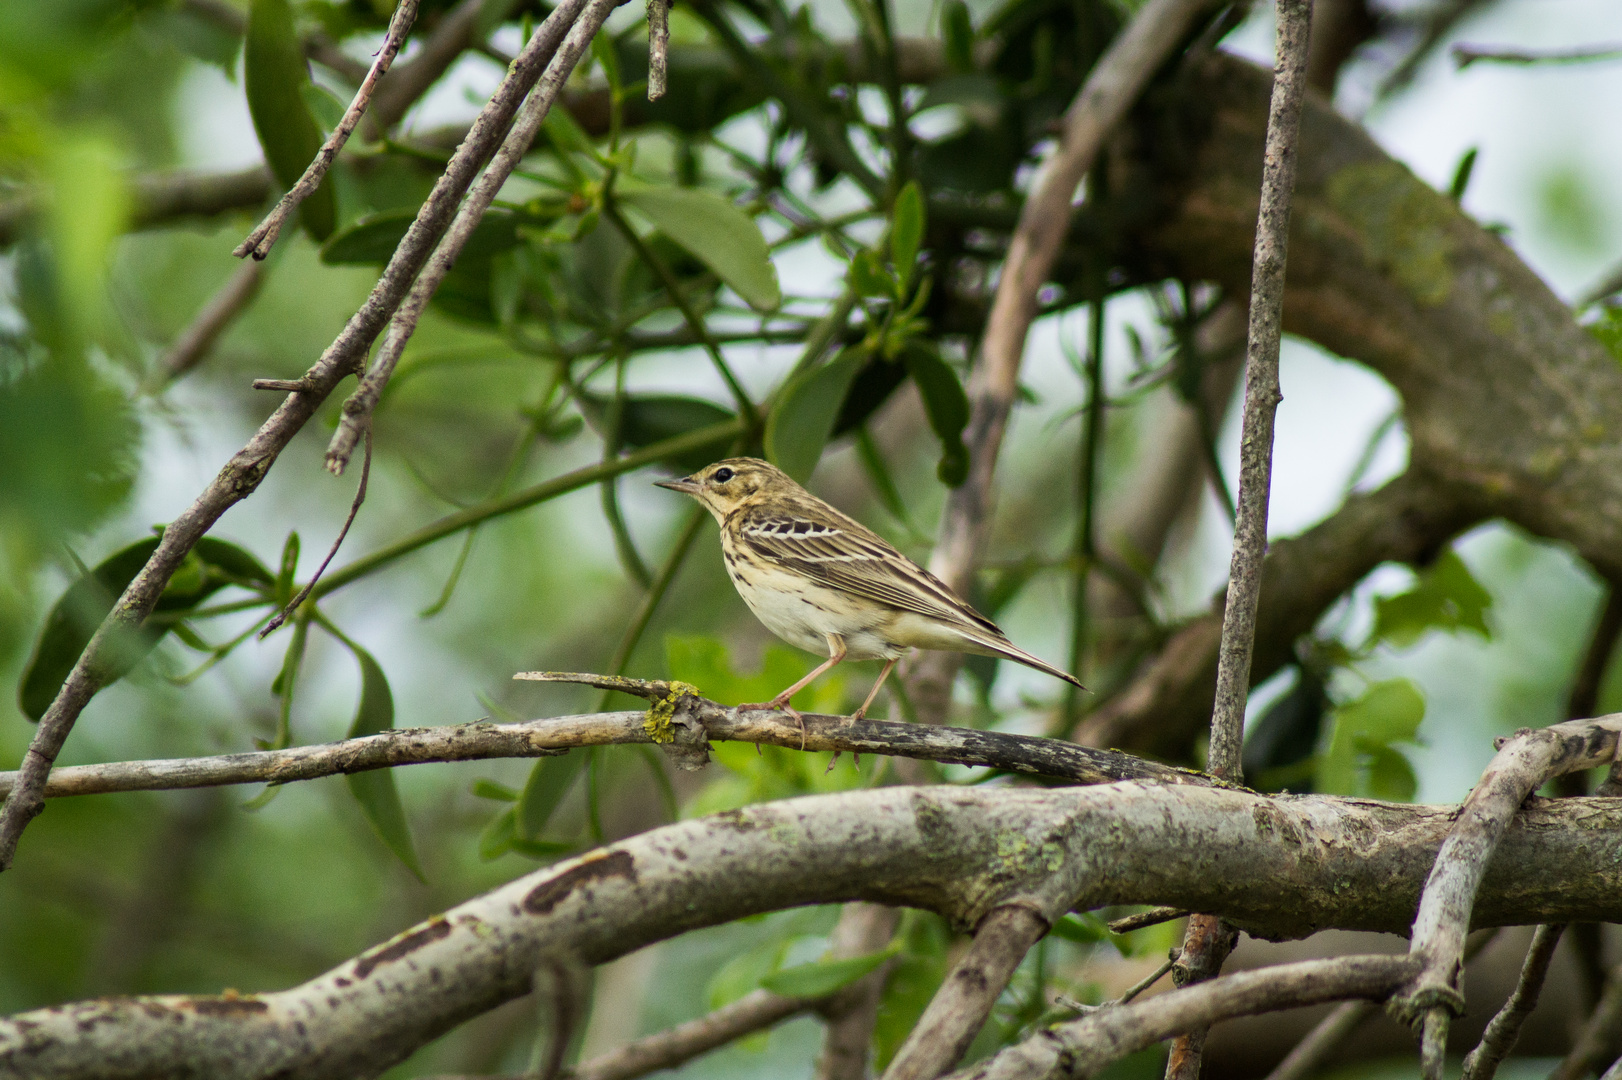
pixel 779 705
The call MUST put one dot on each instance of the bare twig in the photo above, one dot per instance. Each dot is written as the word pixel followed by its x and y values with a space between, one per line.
pixel 354 508
pixel 1505 1026
pixel 1464 55
pixel 564 54
pixel 959 1008
pixel 242 475
pixel 536 738
pixel 451 37
pixel 658 48
pixel 1261 389
pixel 1082 1047
pixel 1111 87
pixel 1207 942
pixel 195 342
pixel 1525 762
pixel 260 241
pixel 1342 1020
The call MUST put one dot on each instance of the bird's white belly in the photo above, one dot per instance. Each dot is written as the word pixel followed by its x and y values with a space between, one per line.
pixel 805 614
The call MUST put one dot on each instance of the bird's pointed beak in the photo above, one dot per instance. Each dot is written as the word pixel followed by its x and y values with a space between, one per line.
pixel 685 485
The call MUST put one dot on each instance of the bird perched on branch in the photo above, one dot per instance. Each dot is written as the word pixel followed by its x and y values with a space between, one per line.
pixel 825 583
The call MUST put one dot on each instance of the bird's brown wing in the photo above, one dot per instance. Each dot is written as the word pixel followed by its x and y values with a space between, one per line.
pixel 826 546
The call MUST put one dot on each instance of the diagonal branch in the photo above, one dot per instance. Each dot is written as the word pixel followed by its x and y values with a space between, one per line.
pixel 241 476
pixel 1505 1027
pixel 260 241
pixel 357 410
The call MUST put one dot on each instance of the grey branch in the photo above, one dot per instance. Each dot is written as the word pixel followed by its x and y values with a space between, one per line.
pixel 668 1049
pixel 1464 55
pixel 242 475
pixel 658 48
pixel 1505 1026
pixel 959 1008
pixel 263 238
pixel 1279 867
pixel 1081 1048
pixel 1526 761
pixel 558 43
pixel 537 738
pixel 197 340
pixel 1307 1055
pixel 1261 388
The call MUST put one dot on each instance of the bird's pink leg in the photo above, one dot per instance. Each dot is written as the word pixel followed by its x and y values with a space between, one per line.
pixel 780 703
pixel 873 693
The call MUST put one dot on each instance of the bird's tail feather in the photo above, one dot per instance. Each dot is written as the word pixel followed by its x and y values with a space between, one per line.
pixel 1008 650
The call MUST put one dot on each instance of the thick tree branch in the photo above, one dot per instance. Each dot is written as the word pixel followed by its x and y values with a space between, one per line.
pixel 1274 866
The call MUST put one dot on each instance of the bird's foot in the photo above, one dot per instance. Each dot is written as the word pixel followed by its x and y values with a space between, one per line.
pixel 779 704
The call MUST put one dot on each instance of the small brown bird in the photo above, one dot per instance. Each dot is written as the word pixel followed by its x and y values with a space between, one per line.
pixel 827 584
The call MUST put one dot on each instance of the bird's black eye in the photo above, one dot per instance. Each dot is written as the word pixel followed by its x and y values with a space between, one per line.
pixel 722 476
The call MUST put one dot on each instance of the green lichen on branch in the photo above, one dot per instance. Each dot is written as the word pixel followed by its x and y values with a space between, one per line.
pixel 661 714
pixel 1404 224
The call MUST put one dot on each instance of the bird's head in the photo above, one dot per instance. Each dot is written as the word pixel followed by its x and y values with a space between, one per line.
pixel 727 485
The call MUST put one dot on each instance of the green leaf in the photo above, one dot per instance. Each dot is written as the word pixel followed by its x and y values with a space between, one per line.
pixel 375 790
pixel 654 418
pixel 289 570
pixel 549 781
pixel 946 404
pixel 489 789
pixel 211 566
pixel 917 974
pixel 324 106
pixel 1083 928
pixel 744 972
pixel 823 977
pixel 371 240
pixel 802 419
pixel 907 232
pixel 1447 597
pixel 1390 775
pixel 275 74
pixel 1360 759
pixel 717 233
pixel 496 839
pixel 868 276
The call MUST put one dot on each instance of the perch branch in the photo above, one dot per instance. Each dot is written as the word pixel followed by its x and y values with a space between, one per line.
pixel 537 738
pixel 263 238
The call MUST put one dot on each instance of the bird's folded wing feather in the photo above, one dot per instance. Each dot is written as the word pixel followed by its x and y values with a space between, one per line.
pixel 844 555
